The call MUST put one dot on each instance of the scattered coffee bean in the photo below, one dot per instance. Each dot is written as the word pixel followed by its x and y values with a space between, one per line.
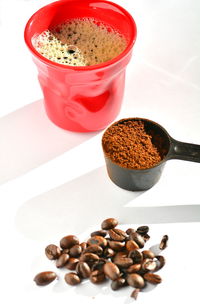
pixel 62 260
pixel 137 238
pixel 72 278
pixel 89 258
pixel 148 254
pixel 94 249
pixel 69 241
pixel 109 223
pixel 83 245
pixel 131 245
pixel 142 230
pixel 133 268
pixel 97 277
pixel 99 232
pixel 97 240
pixel 164 242
pixel 161 261
pixel 118 283
pixel 117 234
pixel 135 280
pixel 108 253
pixel 111 271
pixel 121 260
pixel 135 293
pixel 116 246
pixel 136 256
pixel 45 278
pixel 75 251
pixel 152 278
pixel 71 263
pixel 52 252
pixel 130 230
pixel 98 265
pixel 146 237
pixel 83 270
pixel 64 251
pixel 149 264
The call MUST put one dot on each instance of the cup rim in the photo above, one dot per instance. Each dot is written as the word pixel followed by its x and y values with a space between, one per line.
pixel 81 68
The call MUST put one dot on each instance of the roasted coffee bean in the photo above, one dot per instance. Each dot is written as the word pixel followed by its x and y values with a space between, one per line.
pixel 133 268
pixel 62 260
pixel 142 230
pixel 94 249
pixel 117 284
pixel 83 270
pixel 130 230
pixel 97 277
pixel 68 241
pixel 117 234
pixel 111 271
pixel 99 232
pixel 71 263
pixel 164 242
pixel 135 293
pixel 136 256
pixel 146 237
pixel 108 253
pixel 109 223
pixel 152 278
pixel 116 246
pixel 121 260
pixel 52 252
pixel 97 240
pixel 64 251
pixel 89 258
pixel 161 261
pixel 131 245
pixel 45 278
pixel 75 251
pixel 72 278
pixel 149 264
pixel 148 254
pixel 98 265
pixel 83 245
pixel 135 280
pixel 134 236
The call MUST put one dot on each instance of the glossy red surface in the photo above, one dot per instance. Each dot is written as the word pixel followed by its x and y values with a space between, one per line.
pixel 82 99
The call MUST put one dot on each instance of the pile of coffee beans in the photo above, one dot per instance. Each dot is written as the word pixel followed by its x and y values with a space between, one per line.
pixel 109 254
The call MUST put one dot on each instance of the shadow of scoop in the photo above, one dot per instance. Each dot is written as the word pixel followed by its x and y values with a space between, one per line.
pixel 29 139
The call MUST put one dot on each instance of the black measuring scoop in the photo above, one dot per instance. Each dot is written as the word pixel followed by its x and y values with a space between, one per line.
pixel 168 148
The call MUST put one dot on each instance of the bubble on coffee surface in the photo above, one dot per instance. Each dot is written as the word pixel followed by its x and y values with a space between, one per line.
pixel 80 42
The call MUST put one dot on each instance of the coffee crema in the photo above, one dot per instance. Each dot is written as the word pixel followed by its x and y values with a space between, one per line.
pixel 80 42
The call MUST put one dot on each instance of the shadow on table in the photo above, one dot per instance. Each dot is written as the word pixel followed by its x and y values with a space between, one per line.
pixel 28 139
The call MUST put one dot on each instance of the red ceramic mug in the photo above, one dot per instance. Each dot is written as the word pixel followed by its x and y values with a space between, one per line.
pixel 86 98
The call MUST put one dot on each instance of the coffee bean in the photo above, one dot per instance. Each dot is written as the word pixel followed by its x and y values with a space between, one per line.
pixel 98 265
pixel 136 256
pixel 146 237
pixel 52 252
pixel 69 241
pixel 72 278
pixel 164 242
pixel 129 231
pixel 83 245
pixel 135 293
pixel 148 254
pixel 142 230
pixel 133 268
pixel 117 284
pixel 64 251
pixel 161 261
pixel 71 263
pixel 121 260
pixel 97 240
pixel 94 249
pixel 62 260
pixel 97 277
pixel 89 258
pixel 83 270
pixel 111 271
pixel 135 280
pixel 131 245
pixel 109 223
pixel 99 232
pixel 117 234
pixel 75 251
pixel 116 246
pixel 108 253
pixel 45 278
pixel 152 278
pixel 134 236
pixel 149 264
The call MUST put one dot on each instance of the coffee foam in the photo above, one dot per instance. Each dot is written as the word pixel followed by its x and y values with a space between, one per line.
pixel 80 42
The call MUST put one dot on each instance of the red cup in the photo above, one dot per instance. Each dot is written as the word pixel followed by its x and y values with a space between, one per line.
pixel 86 98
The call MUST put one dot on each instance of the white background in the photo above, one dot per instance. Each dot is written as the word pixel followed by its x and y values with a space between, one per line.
pixel 54 182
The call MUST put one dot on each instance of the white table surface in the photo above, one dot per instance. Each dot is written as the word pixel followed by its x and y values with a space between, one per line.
pixel 54 182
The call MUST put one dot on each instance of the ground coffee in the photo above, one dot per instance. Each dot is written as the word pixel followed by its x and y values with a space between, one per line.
pixel 128 144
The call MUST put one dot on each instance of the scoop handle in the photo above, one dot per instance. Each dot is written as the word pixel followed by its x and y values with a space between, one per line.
pixel 184 151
